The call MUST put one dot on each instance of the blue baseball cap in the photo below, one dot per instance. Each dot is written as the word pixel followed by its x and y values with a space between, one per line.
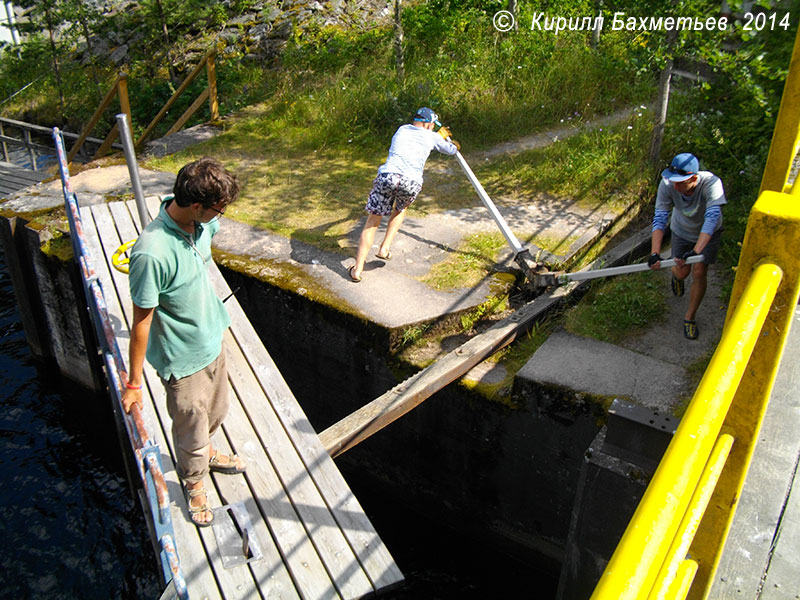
pixel 682 167
pixel 426 115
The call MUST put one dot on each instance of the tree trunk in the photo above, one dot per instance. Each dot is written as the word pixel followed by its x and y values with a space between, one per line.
pixel 399 61
pixel 664 82
pixel 90 49
pixel 173 78
pixel 513 9
pixel 54 52
pixel 596 31
pixel 661 113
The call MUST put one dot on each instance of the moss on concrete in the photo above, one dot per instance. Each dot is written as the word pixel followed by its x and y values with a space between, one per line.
pixel 287 277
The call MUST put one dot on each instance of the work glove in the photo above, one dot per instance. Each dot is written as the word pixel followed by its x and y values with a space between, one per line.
pixel 653 259
pixel 686 255
pixel 445 132
pixel 456 144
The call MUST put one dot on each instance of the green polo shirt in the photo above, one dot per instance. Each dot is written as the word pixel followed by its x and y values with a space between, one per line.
pixel 169 272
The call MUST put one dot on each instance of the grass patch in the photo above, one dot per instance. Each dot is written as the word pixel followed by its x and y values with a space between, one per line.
pixel 614 309
pixel 598 168
pixel 471 262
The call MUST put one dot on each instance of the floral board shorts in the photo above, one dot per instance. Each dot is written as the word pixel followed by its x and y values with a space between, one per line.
pixel 391 190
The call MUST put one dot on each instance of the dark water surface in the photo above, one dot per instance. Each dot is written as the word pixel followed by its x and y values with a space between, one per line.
pixel 68 524
pixel 70 529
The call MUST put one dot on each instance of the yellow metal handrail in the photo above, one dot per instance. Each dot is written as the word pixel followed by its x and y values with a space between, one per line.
pixel 648 557
pixel 673 543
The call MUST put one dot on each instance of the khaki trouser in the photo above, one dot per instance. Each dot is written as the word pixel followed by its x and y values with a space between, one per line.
pixel 197 405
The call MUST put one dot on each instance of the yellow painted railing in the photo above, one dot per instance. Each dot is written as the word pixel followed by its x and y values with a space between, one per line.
pixel 672 545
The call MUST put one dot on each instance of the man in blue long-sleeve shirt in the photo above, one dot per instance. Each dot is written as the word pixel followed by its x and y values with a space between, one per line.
pixel 695 198
pixel 399 181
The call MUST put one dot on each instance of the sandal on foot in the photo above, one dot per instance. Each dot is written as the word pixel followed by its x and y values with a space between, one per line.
pixel 387 256
pixel 194 511
pixel 352 275
pixel 677 286
pixel 690 330
pixel 230 467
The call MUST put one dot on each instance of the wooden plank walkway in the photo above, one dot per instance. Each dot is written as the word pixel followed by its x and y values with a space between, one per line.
pixel 761 558
pixel 14 178
pixel 316 539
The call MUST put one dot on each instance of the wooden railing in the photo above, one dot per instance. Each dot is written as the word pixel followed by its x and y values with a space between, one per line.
pixel 210 94
pixel 120 88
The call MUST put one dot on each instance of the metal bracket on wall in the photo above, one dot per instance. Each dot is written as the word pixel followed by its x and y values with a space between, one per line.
pixel 635 432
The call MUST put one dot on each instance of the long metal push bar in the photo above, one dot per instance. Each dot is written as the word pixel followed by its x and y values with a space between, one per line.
pixel 548 279
pixel 521 255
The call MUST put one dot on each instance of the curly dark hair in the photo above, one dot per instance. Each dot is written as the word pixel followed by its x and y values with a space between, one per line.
pixel 205 181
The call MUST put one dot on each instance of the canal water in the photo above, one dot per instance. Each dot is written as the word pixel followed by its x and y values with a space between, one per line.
pixel 70 529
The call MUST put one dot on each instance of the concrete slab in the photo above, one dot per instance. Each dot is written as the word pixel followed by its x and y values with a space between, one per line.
pixel 587 365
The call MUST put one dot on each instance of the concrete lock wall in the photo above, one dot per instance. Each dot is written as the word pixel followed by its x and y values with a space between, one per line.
pixel 50 301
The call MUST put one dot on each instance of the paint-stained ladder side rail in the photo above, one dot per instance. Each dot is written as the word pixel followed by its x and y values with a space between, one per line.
pixel 146 452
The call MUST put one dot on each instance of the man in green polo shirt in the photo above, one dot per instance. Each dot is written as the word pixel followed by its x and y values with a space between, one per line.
pixel 178 323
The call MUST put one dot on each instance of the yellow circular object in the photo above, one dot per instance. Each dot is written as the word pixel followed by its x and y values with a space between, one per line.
pixel 119 260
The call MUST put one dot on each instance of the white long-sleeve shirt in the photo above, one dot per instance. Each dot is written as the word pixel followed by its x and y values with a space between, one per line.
pixel 411 146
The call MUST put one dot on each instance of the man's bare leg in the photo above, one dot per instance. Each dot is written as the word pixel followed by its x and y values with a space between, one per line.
pixel 395 221
pixel 365 243
pixel 698 289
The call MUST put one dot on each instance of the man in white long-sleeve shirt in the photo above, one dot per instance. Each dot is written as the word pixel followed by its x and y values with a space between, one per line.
pixel 696 198
pixel 399 181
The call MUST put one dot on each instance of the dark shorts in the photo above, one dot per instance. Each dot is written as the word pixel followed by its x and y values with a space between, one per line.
pixel 391 191
pixel 681 245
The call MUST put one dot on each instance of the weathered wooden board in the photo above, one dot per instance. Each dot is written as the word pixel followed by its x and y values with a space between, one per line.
pixel 14 178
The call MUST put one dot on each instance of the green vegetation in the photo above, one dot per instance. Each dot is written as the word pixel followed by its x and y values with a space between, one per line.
pixel 617 308
pixel 471 262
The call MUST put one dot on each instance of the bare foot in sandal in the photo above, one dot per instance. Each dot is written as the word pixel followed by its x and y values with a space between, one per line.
pixel 226 463
pixel 197 498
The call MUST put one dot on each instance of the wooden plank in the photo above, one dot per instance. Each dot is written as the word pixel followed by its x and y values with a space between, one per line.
pixel 15 171
pixel 369 548
pixel 279 507
pixel 749 546
pixel 320 526
pixel 270 573
pixel 237 582
pixel 200 580
pixel 19 179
